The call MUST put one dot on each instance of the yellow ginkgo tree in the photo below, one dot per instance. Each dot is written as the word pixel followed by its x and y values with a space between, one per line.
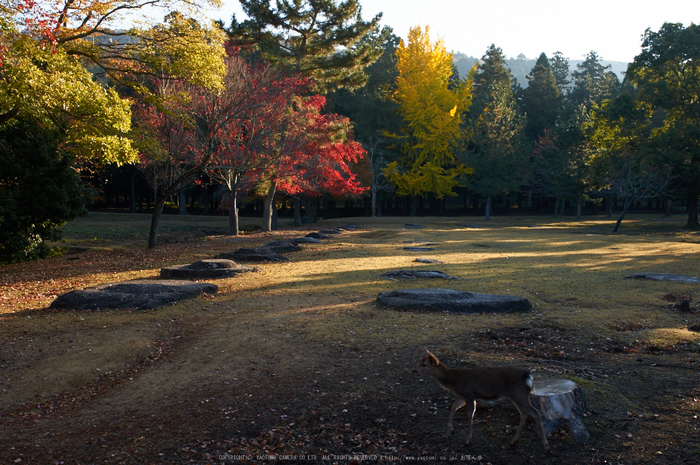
pixel 431 105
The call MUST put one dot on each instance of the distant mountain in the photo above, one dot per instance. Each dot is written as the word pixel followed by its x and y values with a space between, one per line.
pixel 521 66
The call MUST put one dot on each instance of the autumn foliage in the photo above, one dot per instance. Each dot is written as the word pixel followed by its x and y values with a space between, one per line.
pixel 261 131
pixel 319 163
pixel 431 107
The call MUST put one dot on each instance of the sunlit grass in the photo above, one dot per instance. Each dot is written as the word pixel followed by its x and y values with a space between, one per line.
pixel 573 279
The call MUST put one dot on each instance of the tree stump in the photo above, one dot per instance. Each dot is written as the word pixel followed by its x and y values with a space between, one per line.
pixel 562 405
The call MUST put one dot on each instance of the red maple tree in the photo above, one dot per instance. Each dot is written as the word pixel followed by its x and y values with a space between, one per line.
pixel 261 130
pixel 247 146
pixel 315 156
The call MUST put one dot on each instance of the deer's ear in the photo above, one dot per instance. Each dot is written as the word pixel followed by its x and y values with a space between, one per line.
pixel 433 359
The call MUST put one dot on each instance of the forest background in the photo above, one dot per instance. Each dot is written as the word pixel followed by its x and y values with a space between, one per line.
pixel 307 109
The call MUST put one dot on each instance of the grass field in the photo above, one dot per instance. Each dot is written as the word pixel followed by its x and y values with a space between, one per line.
pixel 299 358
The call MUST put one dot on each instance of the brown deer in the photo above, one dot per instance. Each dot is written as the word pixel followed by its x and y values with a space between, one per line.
pixel 484 383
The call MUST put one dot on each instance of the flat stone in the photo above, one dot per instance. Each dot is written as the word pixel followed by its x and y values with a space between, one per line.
pixel 416 274
pixel 665 277
pixel 283 247
pixel 418 249
pixel 138 295
pixel 205 269
pixel 472 226
pixel 317 235
pixel 428 260
pixel 330 231
pixel 412 226
pixel 254 254
pixel 303 240
pixel 448 300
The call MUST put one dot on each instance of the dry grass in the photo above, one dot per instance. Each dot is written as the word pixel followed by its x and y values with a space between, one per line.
pixel 210 371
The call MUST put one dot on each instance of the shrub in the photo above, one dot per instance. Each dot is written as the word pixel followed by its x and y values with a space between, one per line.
pixel 39 190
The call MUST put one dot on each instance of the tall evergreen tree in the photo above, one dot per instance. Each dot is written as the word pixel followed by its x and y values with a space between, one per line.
pixel 373 112
pixel 491 71
pixel 493 142
pixel 541 99
pixel 321 39
pixel 371 107
pixel 593 82
pixel 561 166
pixel 560 69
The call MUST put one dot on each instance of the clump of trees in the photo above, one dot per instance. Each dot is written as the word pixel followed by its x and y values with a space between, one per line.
pixel 577 138
pixel 431 107
pixel 66 78
pixel 173 99
pixel 308 100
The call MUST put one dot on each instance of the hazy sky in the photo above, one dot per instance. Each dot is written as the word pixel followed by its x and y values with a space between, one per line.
pixel 613 28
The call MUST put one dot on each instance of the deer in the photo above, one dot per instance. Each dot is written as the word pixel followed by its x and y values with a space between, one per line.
pixel 484 383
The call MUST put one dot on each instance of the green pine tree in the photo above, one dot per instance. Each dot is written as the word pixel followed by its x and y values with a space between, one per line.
pixel 492 71
pixel 496 148
pixel 560 68
pixel 541 99
pixel 593 82
pixel 321 39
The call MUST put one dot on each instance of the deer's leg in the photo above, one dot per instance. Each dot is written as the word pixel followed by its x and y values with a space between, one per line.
pixel 538 419
pixel 526 408
pixel 523 418
pixel 471 408
pixel 455 406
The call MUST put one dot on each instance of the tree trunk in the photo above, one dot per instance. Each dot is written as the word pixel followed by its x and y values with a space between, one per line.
pixel 267 208
pixel 133 193
pixel 297 211
pixel 488 208
pixel 625 208
pixel 579 198
pixel 155 222
pixel 562 405
pixel 232 185
pixel 556 207
pixel 182 200
pixel 233 212
pixel 312 205
pixel 205 203
pixel 274 216
pixel 693 210
pixel 374 204
pixel 414 205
